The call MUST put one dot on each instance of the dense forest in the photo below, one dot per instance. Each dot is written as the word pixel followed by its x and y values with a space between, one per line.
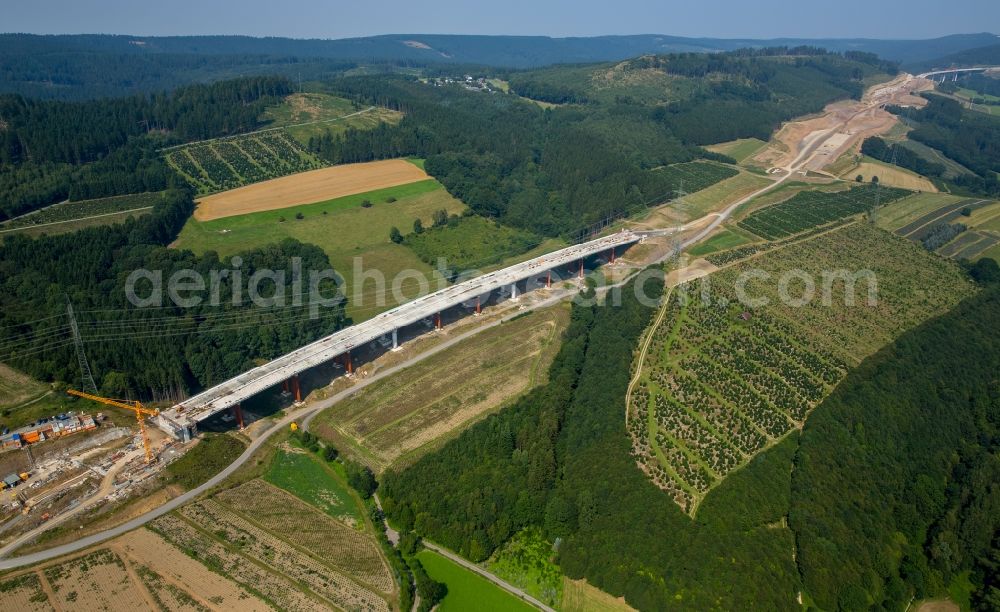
pixel 971 138
pixel 720 96
pixel 94 66
pixel 920 419
pixel 508 159
pixel 976 82
pixel 50 151
pixel 147 352
pixel 559 458
pixel 552 170
pixel 986 55
pixel 895 490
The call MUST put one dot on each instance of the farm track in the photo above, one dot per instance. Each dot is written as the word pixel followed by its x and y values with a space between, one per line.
pixel 111 214
pixel 267 130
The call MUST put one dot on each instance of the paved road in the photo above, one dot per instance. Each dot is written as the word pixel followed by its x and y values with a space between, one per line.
pixel 305 416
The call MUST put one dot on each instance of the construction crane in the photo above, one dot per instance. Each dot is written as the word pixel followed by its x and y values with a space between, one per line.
pixel 141 412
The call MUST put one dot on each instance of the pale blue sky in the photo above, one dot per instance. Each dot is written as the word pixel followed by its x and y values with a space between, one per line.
pixel 339 19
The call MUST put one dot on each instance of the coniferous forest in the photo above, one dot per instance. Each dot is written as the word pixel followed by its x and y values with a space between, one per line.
pixel 146 351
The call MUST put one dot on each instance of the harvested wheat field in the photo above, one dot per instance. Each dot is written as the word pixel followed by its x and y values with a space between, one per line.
pixel 96 581
pixel 174 577
pixel 891 176
pixel 309 187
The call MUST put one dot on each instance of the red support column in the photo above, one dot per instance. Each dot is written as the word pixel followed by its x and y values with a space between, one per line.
pixel 581 268
pixel 298 389
pixel 548 280
pixel 238 411
pixel 612 254
pixel 350 364
pixel 438 322
pixel 478 306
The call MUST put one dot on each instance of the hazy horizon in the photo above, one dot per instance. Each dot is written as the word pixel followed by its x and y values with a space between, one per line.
pixel 891 19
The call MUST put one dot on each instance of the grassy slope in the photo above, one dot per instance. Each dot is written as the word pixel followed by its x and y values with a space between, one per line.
pixel 578 596
pixel 323 112
pixel 901 212
pixel 302 475
pixel 740 149
pixel 413 402
pixel 346 232
pixel 470 243
pixel 18 395
pixel 716 197
pixel 17 388
pixel 207 458
pixel 888 174
pixel 725 238
pixel 466 590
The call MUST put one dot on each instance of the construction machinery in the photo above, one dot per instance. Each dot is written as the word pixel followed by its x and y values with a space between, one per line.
pixel 141 412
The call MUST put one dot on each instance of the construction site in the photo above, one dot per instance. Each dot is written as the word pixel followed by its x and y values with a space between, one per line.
pixel 54 474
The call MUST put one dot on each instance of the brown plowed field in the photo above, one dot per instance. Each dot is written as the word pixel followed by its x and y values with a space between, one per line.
pixel 309 187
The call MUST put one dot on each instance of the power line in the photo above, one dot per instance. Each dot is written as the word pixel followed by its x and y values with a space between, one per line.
pixel 88 378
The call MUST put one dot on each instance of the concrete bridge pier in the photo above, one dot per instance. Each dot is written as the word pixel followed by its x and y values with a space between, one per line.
pixel 238 413
pixel 395 339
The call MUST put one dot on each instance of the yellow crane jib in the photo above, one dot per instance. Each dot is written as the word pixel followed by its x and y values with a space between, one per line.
pixel 141 412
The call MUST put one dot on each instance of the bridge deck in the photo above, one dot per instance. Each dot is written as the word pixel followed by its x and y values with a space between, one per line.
pixel 237 389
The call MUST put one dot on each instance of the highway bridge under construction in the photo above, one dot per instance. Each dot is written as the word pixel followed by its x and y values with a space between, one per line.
pixel 182 419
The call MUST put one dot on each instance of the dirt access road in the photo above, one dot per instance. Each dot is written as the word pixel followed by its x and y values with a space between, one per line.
pixel 107 485
pixel 842 125
pixel 811 144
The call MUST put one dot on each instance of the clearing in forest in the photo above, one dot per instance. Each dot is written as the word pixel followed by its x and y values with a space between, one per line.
pixel 888 174
pixel 401 418
pixel 353 235
pixel 307 115
pixel 723 380
pixel 308 187
pixel 66 217
pixel 740 149
pixel 17 387
pixel 579 596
